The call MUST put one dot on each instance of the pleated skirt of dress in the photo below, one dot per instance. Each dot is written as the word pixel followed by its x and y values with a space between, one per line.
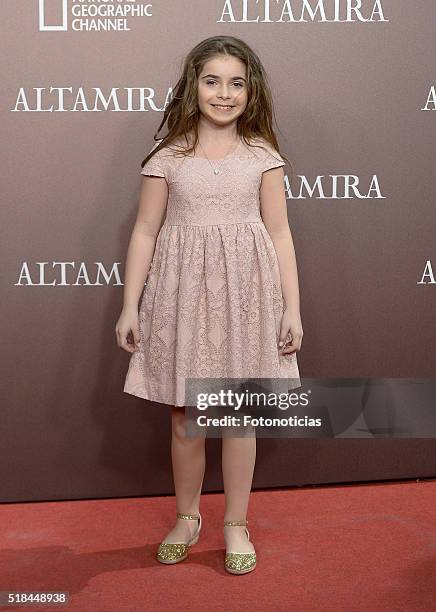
pixel 211 308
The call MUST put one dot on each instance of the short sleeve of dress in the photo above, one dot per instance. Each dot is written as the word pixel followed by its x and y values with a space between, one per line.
pixel 270 158
pixel 156 165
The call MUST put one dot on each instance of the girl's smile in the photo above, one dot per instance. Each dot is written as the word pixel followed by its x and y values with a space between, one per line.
pixel 222 108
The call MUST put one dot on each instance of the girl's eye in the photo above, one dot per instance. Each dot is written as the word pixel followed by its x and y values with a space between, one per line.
pixel 211 82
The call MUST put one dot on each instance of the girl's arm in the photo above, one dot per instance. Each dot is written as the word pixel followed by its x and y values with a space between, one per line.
pixel 151 211
pixel 275 218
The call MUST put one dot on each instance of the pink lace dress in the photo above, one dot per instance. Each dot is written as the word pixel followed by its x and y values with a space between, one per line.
pixel 212 303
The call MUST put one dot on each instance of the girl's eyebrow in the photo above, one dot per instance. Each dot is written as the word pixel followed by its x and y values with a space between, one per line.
pixel 215 76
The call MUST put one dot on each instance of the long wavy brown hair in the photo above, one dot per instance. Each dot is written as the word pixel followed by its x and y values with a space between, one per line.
pixel 182 113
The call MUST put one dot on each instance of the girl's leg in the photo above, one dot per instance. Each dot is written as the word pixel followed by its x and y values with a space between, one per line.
pixel 189 462
pixel 238 460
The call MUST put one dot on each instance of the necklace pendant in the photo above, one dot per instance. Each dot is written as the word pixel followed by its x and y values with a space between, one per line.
pixel 216 171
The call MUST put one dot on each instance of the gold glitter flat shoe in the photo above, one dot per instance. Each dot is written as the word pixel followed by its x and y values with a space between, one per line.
pixel 174 552
pixel 239 562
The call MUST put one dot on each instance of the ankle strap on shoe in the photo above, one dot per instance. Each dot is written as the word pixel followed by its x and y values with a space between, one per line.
pixel 232 523
pixel 188 517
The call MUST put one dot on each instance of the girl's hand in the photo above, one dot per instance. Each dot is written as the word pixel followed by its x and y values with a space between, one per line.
pixel 290 326
pixel 128 322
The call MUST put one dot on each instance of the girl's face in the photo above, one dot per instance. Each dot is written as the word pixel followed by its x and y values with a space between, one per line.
pixel 222 82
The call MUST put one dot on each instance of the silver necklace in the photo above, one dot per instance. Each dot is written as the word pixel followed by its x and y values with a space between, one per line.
pixel 215 170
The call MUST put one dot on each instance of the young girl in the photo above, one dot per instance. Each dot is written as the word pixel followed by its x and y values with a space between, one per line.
pixel 213 242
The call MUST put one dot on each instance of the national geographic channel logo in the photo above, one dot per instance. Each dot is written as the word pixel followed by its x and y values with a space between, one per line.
pixel 90 15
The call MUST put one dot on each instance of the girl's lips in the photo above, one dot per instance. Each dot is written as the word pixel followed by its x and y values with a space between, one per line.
pixel 227 108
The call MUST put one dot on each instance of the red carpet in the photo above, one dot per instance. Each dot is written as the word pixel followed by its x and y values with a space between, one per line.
pixel 350 548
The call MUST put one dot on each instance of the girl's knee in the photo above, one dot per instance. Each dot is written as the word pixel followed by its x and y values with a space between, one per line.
pixel 179 424
pixel 177 420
